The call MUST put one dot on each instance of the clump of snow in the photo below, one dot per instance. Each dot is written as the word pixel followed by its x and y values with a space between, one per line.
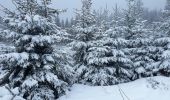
pixel 30 82
pixel 155 84
pixel 154 88
pixel 166 54
pixel 140 70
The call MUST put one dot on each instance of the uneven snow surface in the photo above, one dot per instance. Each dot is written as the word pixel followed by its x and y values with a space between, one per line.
pixel 155 88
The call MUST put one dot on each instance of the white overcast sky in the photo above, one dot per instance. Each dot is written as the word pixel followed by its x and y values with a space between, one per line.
pixel 72 4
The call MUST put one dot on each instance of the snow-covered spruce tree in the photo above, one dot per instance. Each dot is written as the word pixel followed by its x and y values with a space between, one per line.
pixel 109 54
pixel 164 28
pixel 134 25
pixel 102 17
pixel 162 65
pixel 117 27
pixel 85 33
pixel 150 55
pixel 35 69
pixel 145 55
pixel 139 48
pixel 164 42
pixel 98 58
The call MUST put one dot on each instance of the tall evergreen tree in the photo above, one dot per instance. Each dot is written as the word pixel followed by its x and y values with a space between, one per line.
pixel 167 5
pixel 57 21
pixel 164 28
pixel 162 65
pixel 164 42
pixel 139 7
pixel 35 70
pixel 67 24
pixel 84 29
pixel 134 25
pixel 140 48
pixel 62 23
pixel 85 33
pixel 99 61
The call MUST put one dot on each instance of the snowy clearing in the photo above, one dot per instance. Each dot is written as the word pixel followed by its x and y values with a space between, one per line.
pixel 154 88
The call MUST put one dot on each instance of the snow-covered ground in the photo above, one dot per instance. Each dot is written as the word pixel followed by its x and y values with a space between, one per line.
pixel 155 88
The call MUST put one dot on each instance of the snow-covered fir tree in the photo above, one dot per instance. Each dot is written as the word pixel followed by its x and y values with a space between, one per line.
pixel 110 56
pixel 140 46
pixel 85 31
pixel 164 42
pixel 146 55
pixel 162 64
pixel 112 52
pixel 117 24
pixel 35 69
pixel 164 28
pixel 134 25
pixel 57 21
pixel 102 17
pixel 99 60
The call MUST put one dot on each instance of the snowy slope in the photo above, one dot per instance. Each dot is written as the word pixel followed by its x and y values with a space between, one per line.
pixel 155 88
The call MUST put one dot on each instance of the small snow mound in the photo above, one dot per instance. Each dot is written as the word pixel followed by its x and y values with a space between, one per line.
pixel 156 83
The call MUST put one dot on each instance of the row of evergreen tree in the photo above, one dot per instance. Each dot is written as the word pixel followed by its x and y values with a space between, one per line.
pixel 125 49
pixel 105 52
pixel 103 15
